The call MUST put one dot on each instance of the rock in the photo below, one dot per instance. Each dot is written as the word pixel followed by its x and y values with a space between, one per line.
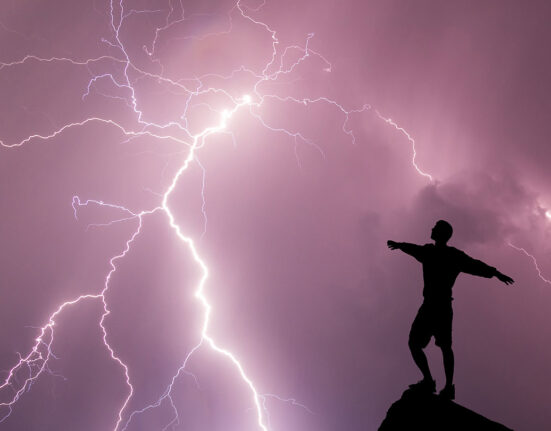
pixel 427 412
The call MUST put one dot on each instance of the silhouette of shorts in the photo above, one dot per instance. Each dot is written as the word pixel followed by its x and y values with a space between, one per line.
pixel 433 319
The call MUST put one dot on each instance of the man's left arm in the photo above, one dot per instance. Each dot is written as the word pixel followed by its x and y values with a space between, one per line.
pixel 481 269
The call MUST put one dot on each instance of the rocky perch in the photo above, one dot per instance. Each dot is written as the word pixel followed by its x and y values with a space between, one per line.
pixel 421 411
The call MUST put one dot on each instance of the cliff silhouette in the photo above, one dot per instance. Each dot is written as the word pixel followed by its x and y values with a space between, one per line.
pixel 423 411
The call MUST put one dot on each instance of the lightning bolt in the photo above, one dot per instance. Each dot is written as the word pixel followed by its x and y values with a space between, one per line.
pixel 534 261
pixel 412 142
pixel 37 360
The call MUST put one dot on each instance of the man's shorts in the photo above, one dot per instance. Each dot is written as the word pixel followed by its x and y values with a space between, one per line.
pixel 433 319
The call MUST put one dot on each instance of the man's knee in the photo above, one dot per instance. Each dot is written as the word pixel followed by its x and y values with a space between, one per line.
pixel 415 345
pixel 447 350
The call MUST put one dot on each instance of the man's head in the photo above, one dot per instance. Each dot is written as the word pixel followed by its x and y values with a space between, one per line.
pixel 442 231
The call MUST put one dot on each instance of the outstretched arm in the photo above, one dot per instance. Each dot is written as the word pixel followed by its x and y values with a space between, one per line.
pixel 477 267
pixel 412 249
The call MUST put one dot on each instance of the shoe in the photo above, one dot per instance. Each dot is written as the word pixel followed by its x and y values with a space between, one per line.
pixel 448 392
pixel 425 385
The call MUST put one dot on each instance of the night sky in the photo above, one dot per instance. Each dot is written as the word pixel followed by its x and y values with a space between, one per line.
pixel 123 122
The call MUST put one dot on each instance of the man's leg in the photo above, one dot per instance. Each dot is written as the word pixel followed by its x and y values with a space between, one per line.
pixel 447 354
pixel 420 359
pixel 419 337
pixel 444 341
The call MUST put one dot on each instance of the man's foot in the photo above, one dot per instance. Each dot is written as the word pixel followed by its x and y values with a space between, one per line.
pixel 425 385
pixel 448 392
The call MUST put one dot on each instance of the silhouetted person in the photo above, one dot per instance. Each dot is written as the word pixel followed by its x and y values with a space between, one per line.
pixel 441 266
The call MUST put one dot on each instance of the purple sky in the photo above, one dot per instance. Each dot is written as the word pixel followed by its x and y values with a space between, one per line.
pixel 296 208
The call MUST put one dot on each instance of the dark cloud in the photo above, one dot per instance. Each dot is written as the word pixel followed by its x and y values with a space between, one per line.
pixel 482 208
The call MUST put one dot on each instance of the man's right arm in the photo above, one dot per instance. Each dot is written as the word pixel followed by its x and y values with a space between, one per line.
pixel 477 267
pixel 414 250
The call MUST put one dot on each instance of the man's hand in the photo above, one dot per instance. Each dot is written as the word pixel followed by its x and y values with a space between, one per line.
pixel 504 278
pixel 393 245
